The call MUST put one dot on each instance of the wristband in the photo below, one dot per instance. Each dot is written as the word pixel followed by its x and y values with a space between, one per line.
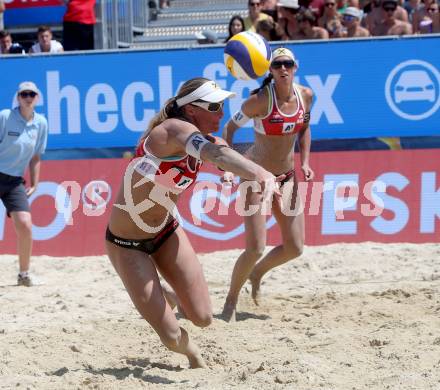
pixel 195 144
pixel 240 118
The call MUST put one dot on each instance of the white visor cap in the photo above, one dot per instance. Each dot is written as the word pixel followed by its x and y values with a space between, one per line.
pixel 208 92
pixel 281 52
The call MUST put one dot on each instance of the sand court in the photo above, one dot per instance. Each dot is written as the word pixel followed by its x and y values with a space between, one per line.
pixel 348 316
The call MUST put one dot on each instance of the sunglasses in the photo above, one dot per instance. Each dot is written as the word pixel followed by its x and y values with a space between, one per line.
pixel 211 107
pixel 25 94
pixel 432 9
pixel 389 9
pixel 348 18
pixel 292 11
pixel 288 64
pixel 330 4
pixel 254 4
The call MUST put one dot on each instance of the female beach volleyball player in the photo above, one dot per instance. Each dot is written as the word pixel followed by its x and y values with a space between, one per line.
pixel 281 112
pixel 144 239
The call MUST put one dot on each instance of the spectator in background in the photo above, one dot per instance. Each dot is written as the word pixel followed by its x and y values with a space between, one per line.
pixel 411 7
pixel 236 25
pixel 351 19
pixel 373 10
pixel 45 42
pixel 5 41
pixel 255 15
pixel 377 15
pixel 7 46
pixel 422 21
pixel 2 10
pixel 269 7
pixel 307 28
pixel 317 7
pixel 435 18
pixel 330 19
pixel 78 25
pixel 269 30
pixel 390 25
pixel 430 23
pixel 23 138
pixel 341 5
pixel 288 25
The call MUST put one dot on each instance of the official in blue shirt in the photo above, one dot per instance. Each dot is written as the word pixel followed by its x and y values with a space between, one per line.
pixel 23 138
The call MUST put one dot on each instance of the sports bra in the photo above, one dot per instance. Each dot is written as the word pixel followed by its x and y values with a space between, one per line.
pixel 175 172
pixel 278 123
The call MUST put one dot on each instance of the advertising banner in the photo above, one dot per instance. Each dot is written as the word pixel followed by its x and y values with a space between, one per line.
pixel 381 196
pixel 390 87
pixel 10 4
pixel 33 12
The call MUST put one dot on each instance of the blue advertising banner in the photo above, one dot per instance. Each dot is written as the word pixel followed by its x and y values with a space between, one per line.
pixel 366 88
pixel 34 16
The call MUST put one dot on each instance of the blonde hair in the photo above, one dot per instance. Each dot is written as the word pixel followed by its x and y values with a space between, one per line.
pixel 170 108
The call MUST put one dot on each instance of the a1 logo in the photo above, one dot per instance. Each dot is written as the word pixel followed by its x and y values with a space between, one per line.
pixel 184 182
pixel 288 127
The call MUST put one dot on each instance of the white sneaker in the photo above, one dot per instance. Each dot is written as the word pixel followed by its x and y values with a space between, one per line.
pixel 24 281
pixel 28 281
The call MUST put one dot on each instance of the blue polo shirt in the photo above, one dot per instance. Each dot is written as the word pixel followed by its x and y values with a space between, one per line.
pixel 20 140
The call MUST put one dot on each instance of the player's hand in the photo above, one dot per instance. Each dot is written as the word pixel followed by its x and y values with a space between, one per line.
pixel 269 184
pixel 227 179
pixel 30 191
pixel 309 175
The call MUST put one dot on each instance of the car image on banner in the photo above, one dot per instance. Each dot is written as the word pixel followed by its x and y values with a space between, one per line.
pixel 414 85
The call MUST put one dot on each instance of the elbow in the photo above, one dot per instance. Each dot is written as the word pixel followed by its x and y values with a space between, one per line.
pixel 226 131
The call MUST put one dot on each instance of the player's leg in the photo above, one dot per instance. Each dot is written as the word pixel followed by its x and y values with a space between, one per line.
pixel 290 219
pixel 255 235
pixel 139 275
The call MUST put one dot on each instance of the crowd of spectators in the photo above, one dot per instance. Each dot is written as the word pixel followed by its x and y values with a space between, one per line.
pixel 78 31
pixel 328 19
pixel 276 20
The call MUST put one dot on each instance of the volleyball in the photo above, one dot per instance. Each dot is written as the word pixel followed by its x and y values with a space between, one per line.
pixel 247 56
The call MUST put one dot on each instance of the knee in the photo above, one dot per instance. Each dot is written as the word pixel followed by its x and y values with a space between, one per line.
pixel 23 226
pixel 202 320
pixel 294 249
pixel 254 253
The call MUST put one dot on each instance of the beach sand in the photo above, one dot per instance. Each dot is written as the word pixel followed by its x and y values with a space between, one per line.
pixel 347 316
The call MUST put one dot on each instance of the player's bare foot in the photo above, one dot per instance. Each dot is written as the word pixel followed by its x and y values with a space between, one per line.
pixel 196 361
pixel 256 284
pixel 229 312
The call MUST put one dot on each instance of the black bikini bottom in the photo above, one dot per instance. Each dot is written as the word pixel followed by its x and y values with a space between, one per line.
pixel 289 175
pixel 149 245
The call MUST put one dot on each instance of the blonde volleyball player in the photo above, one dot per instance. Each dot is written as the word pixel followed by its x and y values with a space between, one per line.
pixel 281 112
pixel 144 239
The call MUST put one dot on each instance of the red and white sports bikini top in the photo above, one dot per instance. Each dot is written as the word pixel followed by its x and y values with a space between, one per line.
pixel 175 172
pixel 278 123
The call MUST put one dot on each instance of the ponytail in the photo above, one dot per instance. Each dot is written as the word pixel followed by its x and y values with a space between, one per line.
pixel 168 110
pixel 265 83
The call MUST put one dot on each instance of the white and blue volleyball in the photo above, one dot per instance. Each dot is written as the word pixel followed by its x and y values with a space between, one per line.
pixel 247 56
